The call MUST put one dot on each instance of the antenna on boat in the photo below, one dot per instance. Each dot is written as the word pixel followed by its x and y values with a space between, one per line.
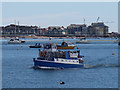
pixel 98 19
pixel 84 20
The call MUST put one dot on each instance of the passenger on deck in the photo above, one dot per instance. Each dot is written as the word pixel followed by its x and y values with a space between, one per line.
pixel 39 44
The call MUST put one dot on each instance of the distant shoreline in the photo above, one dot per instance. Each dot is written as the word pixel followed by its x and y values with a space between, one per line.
pixel 37 37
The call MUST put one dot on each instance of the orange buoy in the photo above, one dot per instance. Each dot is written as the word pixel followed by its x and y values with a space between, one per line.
pixel 113 53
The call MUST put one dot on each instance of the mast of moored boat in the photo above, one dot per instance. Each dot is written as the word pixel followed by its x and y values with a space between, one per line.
pixel 15 28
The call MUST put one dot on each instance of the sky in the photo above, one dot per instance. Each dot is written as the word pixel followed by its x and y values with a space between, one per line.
pixel 46 14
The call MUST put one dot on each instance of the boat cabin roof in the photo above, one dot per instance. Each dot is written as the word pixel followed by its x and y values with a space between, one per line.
pixel 49 47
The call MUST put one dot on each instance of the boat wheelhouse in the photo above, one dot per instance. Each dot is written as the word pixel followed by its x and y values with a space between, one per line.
pixel 66 45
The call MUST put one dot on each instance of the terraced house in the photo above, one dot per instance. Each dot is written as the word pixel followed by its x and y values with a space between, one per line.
pixel 12 30
pixel 93 30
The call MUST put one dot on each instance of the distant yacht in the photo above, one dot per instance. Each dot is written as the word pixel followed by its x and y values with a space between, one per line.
pixel 81 41
pixel 15 41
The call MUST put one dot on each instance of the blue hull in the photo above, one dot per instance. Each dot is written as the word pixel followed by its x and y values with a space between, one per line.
pixel 56 65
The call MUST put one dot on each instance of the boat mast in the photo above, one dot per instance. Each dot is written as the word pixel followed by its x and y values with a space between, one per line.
pixel 15 28
pixel 18 28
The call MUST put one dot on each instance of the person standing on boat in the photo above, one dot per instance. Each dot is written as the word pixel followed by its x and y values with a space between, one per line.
pixel 39 52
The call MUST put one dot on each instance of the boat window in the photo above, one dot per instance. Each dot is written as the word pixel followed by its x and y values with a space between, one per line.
pixel 70 43
pixel 48 46
pixel 17 39
pixel 36 44
pixel 64 44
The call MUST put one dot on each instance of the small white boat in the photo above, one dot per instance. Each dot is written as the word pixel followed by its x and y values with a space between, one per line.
pixel 81 41
pixel 15 41
pixel 116 41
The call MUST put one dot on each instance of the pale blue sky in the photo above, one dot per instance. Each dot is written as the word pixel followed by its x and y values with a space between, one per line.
pixel 46 14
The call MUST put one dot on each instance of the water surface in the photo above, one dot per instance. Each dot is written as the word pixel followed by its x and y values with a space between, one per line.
pixel 101 69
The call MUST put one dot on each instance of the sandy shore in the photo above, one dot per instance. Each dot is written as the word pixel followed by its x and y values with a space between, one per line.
pixel 36 37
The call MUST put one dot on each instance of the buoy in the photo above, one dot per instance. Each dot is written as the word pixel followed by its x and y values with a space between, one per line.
pixel 62 83
pixel 113 53
pixel 62 68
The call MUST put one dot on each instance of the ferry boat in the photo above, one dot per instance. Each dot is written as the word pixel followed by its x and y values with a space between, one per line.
pixel 15 41
pixel 53 58
pixel 36 46
pixel 66 45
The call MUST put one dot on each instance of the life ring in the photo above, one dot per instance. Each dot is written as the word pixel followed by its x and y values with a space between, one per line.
pixel 42 53
pixel 46 53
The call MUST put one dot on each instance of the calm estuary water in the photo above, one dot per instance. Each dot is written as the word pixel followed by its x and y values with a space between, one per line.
pixel 101 69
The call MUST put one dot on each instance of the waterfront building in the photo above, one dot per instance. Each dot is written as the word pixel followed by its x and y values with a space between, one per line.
pixel 97 29
pixel 42 31
pixel 12 30
pixel 77 29
pixel 56 30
